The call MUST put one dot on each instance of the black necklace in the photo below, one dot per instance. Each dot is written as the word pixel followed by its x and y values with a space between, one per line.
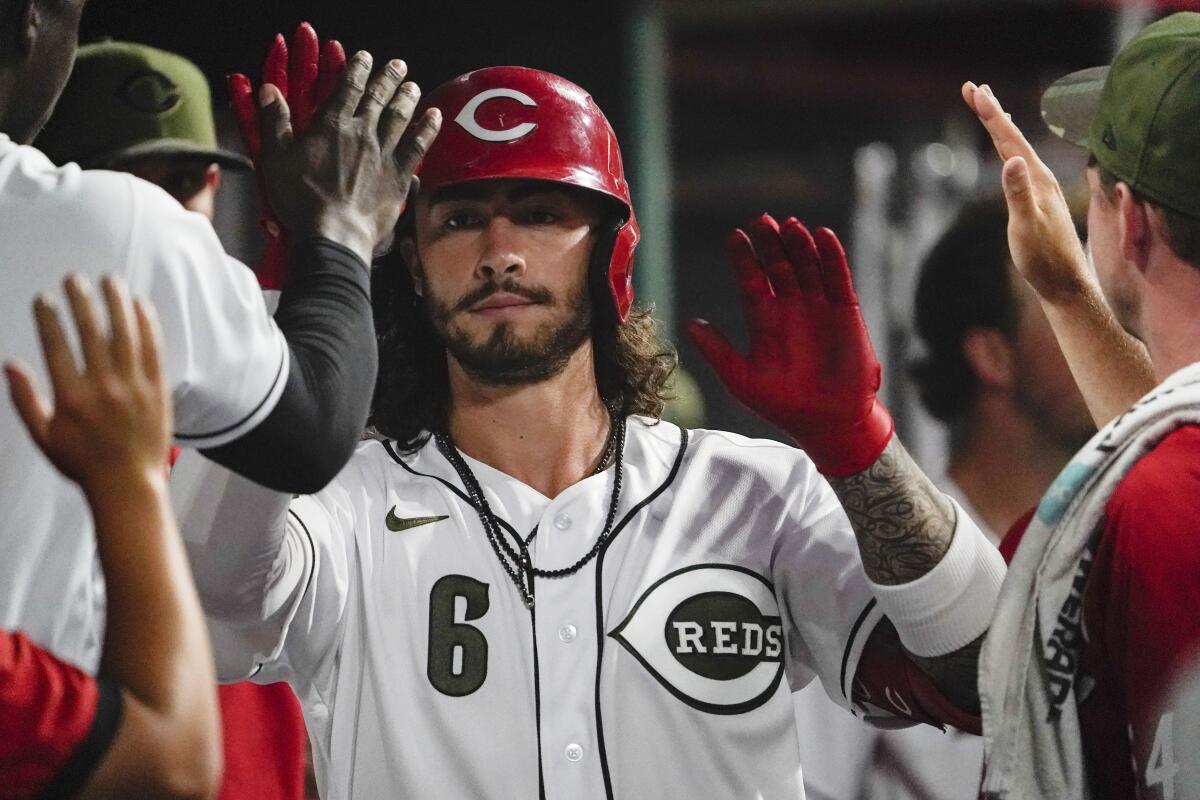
pixel 517 564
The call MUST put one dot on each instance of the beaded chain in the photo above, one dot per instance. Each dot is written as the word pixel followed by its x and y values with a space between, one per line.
pixel 518 562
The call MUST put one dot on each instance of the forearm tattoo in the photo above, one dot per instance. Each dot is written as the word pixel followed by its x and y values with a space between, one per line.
pixel 903 522
pixel 904 525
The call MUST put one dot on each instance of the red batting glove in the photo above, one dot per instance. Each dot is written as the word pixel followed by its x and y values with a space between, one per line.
pixel 811 369
pixel 305 81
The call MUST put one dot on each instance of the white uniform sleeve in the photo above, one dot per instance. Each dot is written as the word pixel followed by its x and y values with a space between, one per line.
pixel 226 360
pixel 273 573
pixel 827 605
pixel 310 625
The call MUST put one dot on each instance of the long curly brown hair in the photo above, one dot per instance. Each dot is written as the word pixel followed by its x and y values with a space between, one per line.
pixel 633 361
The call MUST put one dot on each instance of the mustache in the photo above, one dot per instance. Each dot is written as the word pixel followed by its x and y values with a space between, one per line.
pixel 534 294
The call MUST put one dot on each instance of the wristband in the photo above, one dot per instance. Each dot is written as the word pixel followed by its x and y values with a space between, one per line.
pixel 951 605
pixel 849 451
pixel 272 269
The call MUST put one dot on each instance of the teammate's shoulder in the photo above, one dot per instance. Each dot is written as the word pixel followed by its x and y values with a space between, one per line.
pixel 1152 516
pixel 1167 477
pixel 25 169
pixel 107 192
pixel 158 210
pixel 69 195
pixel 65 195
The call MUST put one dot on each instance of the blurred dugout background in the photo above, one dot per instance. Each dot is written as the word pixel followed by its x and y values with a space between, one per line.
pixel 844 113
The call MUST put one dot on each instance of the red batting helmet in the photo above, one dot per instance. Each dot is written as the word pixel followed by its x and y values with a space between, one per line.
pixel 516 122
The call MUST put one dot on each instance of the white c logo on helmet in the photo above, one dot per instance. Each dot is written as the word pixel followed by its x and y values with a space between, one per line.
pixel 466 117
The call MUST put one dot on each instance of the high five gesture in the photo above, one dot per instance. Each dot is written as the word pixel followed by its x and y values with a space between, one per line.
pixel 811 369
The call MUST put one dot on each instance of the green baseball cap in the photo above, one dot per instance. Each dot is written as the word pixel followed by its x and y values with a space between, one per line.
pixel 1140 117
pixel 127 101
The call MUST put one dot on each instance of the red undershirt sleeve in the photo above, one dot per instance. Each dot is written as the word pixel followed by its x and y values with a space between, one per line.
pixel 888 685
pixel 56 722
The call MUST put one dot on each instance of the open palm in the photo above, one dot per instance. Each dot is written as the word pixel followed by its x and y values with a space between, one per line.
pixel 810 368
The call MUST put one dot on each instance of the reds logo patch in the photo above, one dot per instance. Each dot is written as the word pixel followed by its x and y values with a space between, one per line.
pixel 711 635
pixel 466 117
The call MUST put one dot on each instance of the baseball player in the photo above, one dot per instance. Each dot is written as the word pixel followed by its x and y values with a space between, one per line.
pixel 1102 601
pixel 147 727
pixel 241 382
pixel 531 588
pixel 137 109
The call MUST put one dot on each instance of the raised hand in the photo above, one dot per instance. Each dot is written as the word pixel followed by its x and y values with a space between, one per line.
pixel 1042 239
pixel 810 369
pixel 110 422
pixel 1110 366
pixel 340 163
pixel 305 80
pixel 108 430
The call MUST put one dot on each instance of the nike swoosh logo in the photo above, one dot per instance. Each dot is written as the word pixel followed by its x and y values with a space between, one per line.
pixel 395 523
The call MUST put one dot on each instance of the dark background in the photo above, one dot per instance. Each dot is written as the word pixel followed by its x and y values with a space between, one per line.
pixel 768 100
pixel 439 40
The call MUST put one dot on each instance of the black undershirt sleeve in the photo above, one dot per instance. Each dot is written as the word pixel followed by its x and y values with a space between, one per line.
pixel 325 315
pixel 78 768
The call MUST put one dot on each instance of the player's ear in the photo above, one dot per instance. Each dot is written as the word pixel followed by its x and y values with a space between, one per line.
pixel 989 355
pixel 1134 224
pixel 213 176
pixel 20 23
pixel 408 252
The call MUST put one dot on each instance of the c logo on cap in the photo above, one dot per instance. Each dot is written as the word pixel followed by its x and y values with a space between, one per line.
pixel 466 117
pixel 150 92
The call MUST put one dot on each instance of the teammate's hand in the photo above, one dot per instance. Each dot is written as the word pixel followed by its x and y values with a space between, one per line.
pixel 811 369
pixel 110 422
pixel 305 80
pixel 347 176
pixel 1041 235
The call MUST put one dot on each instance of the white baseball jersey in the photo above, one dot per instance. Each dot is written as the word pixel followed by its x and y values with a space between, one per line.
pixel 225 360
pixel 662 668
pixel 846 758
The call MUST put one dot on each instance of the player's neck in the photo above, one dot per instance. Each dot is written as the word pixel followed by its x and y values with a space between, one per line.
pixel 1170 322
pixel 548 435
pixel 1005 465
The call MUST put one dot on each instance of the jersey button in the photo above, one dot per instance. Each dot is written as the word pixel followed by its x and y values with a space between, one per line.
pixel 574 752
pixel 562 521
pixel 567 633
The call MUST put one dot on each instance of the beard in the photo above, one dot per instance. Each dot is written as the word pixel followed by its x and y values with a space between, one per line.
pixel 504 358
